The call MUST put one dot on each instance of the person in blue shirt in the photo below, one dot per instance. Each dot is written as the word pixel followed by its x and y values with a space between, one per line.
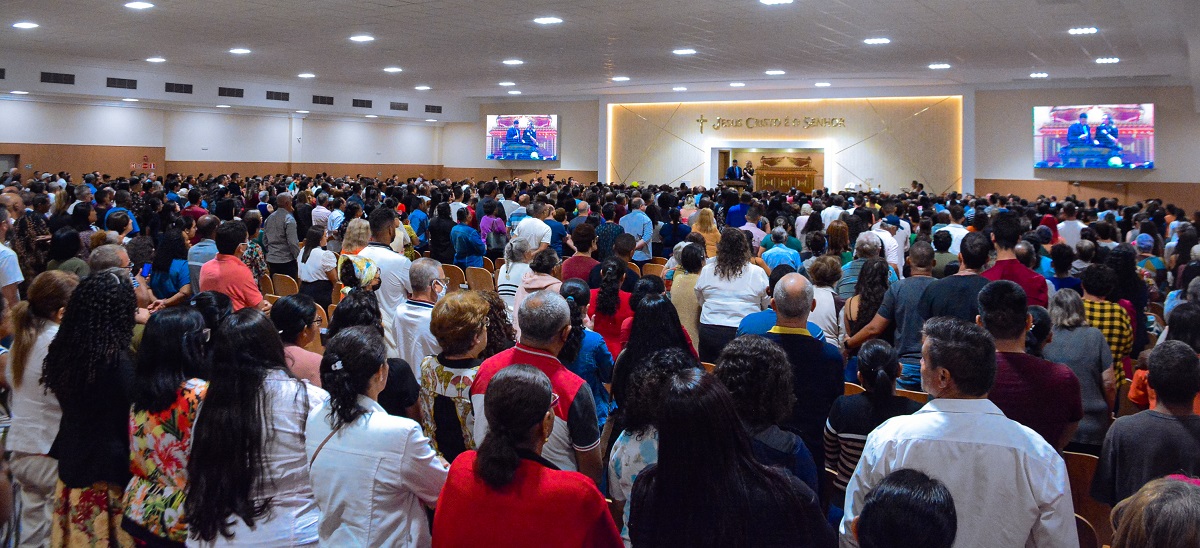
pixel 124 201
pixel 170 278
pixel 558 230
pixel 419 221
pixel 736 215
pixel 781 254
pixel 637 223
pixel 468 245
pixel 760 323
pixel 585 352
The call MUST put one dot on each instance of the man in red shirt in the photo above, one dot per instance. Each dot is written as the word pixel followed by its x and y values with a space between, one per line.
pixel 194 209
pixel 1040 394
pixel 228 274
pixel 1006 232
pixel 574 442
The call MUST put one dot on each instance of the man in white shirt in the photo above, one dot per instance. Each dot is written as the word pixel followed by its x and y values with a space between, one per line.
pixel 10 267
pixel 1010 487
pixel 1071 227
pixel 394 286
pixel 956 229
pixel 320 214
pixel 410 326
pixel 891 248
pixel 533 229
pixel 833 211
pixel 903 230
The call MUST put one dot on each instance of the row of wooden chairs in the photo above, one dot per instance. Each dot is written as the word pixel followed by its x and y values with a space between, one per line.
pixel 919 397
pixel 283 285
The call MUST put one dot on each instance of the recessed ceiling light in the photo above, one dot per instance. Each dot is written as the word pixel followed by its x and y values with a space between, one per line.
pixel 372 116
pixel 129 100
pixel 939 66
pixel 222 106
pixel 547 20
pixel 301 112
pixel 1108 60
pixel 306 75
pixel 25 25
pixel 393 69
pixel 737 84
pixel 430 120
pixel 620 78
pixel 422 88
pixel 823 84
pixel 362 38
pixel 775 2
pixel 1083 30
pixel 774 73
pixel 678 88
pixel 513 62
pixel 156 60
pixel 506 84
pixel 1039 75
pixel 514 92
pixel 877 41
pixel 684 51
pixel 239 51
pixel 19 92
pixel 139 5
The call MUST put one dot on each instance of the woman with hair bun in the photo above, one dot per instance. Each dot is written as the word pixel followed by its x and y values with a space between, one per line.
pixel 506 490
pixel 853 417
pixel 371 472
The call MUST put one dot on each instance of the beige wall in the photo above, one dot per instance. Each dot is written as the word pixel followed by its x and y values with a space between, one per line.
pixel 1004 134
pixel 889 141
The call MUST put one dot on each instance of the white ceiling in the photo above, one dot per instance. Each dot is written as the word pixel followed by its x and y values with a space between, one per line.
pixel 456 46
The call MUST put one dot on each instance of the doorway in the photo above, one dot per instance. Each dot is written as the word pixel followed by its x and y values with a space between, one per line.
pixel 7 162
pixel 723 157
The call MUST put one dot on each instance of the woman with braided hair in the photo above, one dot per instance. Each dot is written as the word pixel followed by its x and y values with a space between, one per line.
pixel 585 352
pixel 371 472
pixel 89 370
pixel 609 306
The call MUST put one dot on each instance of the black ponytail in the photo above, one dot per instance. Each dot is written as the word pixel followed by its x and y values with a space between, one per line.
pixel 516 400
pixel 577 294
pixel 877 369
pixel 351 359
pixel 608 299
pixel 292 315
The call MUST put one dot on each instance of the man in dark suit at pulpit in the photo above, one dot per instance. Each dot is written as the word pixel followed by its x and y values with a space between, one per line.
pixel 734 172
pixel 1079 134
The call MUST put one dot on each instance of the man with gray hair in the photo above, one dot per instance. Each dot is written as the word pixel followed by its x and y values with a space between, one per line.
pixel 638 224
pixel 533 227
pixel 867 246
pixel 574 442
pixel 817 377
pixel 280 240
pixel 410 320
pixel 780 253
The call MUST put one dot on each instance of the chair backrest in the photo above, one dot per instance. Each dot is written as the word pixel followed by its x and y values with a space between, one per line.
pixel 919 397
pixel 1087 534
pixel 1124 406
pixel 336 297
pixel 271 298
pixel 634 267
pixel 285 285
pixel 498 263
pixel 659 260
pixel 316 345
pixel 653 269
pixel 265 284
pixel 708 366
pixel 1156 308
pixel 479 279
pixel 488 265
pixel 852 389
pixel 1080 470
pixel 456 275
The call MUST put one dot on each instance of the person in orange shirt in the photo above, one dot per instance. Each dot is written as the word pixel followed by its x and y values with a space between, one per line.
pixel 1184 326
pixel 227 274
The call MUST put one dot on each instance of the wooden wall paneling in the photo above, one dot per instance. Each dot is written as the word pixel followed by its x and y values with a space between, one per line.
pixel 80 159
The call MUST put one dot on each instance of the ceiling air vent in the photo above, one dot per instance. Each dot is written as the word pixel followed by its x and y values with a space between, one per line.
pixel 433 109
pixel 361 103
pixel 322 100
pixel 179 88
pixel 231 92
pixel 399 106
pixel 278 96
pixel 58 78
pixel 122 83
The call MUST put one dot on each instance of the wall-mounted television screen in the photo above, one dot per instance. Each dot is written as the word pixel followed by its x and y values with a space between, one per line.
pixel 1094 136
pixel 522 137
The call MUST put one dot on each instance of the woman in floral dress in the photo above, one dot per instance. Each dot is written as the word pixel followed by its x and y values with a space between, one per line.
pixel 165 405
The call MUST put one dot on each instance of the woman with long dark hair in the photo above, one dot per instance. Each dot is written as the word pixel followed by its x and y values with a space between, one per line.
pixel 608 305
pixel 88 369
pixel 170 278
pixel 248 477
pixel 672 233
pixel 361 308
pixel 1130 287
pixel 853 417
pixel 441 248
pixel 64 253
pixel 34 412
pixel 296 319
pixel 727 291
pixel 869 290
pixel 707 489
pixel 166 400
pixel 500 332
pixel 372 473
pixel 655 326
pixel 528 500
pixel 317 267
pixel 838 238
pixel 83 220
pixel 585 352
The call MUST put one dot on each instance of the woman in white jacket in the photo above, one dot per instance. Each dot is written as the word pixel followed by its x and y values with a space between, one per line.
pixel 372 473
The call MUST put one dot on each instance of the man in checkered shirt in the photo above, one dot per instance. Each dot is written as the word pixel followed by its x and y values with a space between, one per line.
pixel 1098 282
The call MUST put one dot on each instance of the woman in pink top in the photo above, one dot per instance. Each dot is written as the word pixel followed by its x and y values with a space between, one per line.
pixel 299 325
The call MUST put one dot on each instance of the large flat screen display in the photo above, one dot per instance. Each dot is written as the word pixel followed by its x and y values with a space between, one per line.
pixel 1094 136
pixel 522 137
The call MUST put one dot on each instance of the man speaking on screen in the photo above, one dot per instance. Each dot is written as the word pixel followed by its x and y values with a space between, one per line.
pixel 1079 134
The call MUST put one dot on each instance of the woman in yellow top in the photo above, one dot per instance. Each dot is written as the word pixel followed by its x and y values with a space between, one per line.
pixel 707 227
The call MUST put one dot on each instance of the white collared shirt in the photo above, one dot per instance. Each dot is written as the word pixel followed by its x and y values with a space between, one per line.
pixel 891 250
pixel 1010 487
pixel 957 233
pixel 410 331
pixel 394 286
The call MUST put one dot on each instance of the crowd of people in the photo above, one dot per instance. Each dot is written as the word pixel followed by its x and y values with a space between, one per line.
pixel 162 391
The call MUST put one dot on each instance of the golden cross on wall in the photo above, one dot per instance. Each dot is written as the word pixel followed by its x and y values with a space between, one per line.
pixel 702 121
